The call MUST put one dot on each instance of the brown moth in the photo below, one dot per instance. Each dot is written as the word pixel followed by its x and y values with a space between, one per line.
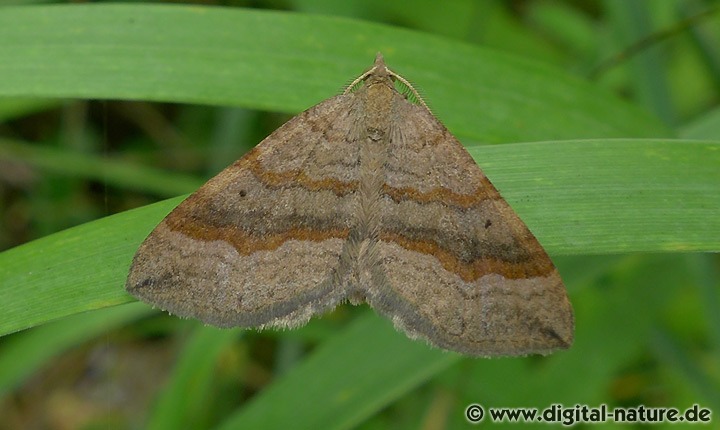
pixel 365 197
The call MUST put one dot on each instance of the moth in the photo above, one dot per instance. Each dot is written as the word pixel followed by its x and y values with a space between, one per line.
pixel 365 197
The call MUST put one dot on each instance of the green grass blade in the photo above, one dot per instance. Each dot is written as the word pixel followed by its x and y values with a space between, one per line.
pixel 73 271
pixel 184 402
pixel 632 23
pixel 255 59
pixel 110 171
pixel 346 380
pixel 24 353
pixel 678 358
pixel 607 197
pixel 612 196
pixel 11 108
